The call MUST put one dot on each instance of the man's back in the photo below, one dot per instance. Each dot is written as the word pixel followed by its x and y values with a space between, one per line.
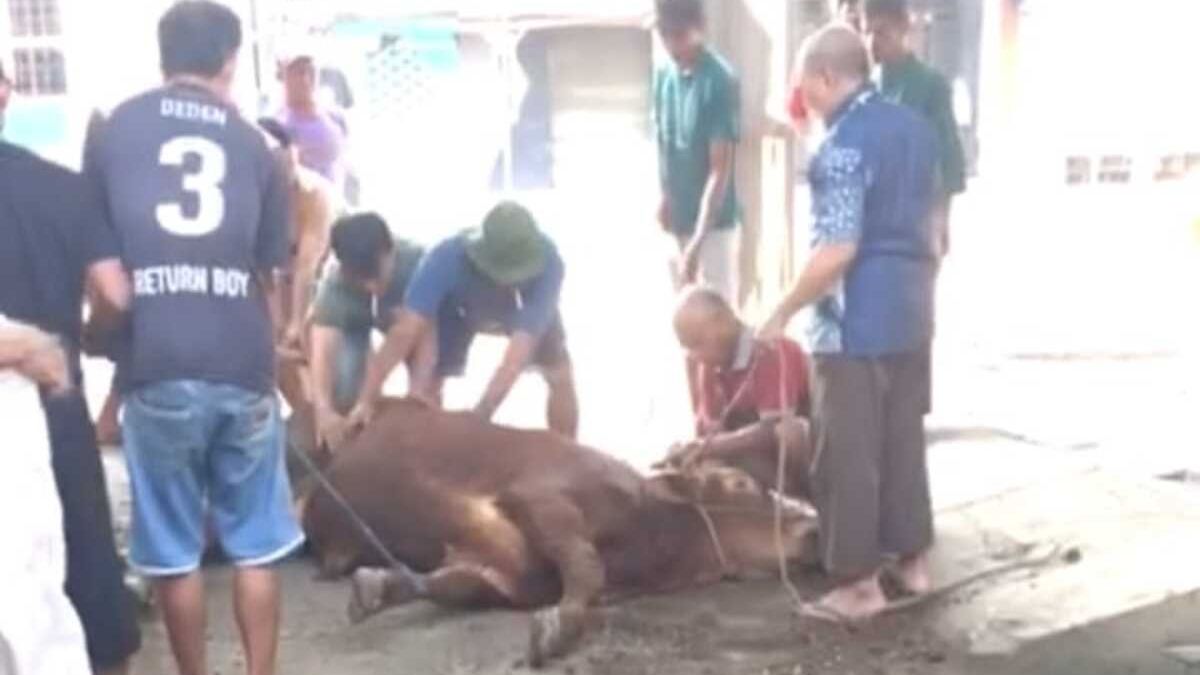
pixel 200 207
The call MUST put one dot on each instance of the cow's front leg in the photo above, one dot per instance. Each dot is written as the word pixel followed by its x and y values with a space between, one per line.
pixel 457 585
pixel 557 529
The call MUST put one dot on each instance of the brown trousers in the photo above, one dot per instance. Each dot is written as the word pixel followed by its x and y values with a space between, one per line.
pixel 870 481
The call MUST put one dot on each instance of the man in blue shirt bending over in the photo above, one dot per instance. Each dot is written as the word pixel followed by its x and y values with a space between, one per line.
pixel 502 278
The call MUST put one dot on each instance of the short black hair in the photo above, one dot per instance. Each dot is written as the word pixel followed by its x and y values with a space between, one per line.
pixel 274 129
pixel 3 75
pixel 359 242
pixel 198 37
pixel 893 10
pixel 679 14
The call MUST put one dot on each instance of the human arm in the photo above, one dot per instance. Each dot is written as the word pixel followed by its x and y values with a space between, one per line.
pixel 106 282
pixel 838 207
pixel 539 306
pixel 723 132
pixel 516 356
pixel 313 223
pixel 656 118
pixel 37 355
pixel 326 342
pixel 826 266
pixel 720 159
pixel 274 240
pixel 951 156
pixel 398 346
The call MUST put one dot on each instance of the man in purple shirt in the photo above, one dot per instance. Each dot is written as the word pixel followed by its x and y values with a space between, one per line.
pixel 319 132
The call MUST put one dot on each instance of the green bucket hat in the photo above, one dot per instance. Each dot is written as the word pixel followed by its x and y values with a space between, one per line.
pixel 508 247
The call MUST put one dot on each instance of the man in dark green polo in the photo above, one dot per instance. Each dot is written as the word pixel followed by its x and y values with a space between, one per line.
pixel 697 115
pixel 905 80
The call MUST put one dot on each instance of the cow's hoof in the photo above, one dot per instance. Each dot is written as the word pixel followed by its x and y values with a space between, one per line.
pixel 554 633
pixel 374 590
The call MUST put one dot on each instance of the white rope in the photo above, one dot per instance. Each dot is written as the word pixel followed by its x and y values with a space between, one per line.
pixel 780 475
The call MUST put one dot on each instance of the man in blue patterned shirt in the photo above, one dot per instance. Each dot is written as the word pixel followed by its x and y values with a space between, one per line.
pixel 870 282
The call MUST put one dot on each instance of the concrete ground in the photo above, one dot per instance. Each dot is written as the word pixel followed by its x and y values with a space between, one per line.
pixel 1066 368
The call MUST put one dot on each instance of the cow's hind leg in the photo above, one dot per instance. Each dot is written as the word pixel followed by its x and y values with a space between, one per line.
pixel 557 528
pixel 375 590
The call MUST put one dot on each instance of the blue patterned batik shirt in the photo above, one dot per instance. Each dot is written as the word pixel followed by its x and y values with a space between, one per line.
pixel 872 184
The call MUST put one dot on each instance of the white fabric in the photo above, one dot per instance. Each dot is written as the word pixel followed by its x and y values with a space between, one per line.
pixel 40 632
pixel 719 255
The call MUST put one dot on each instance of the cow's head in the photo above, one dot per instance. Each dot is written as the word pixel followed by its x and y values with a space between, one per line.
pixel 742 513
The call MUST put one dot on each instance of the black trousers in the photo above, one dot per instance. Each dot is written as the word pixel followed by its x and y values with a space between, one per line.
pixel 95 574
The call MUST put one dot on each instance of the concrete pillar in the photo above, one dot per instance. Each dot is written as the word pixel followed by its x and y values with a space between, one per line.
pixel 756 37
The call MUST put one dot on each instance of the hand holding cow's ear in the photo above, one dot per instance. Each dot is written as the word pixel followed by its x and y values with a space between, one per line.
pixel 682 455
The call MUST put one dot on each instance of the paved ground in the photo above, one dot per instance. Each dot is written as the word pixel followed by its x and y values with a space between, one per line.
pixel 1068 330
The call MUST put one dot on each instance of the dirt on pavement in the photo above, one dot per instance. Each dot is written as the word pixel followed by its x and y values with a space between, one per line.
pixel 731 628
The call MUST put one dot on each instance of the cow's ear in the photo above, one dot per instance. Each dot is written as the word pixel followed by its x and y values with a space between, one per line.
pixel 668 485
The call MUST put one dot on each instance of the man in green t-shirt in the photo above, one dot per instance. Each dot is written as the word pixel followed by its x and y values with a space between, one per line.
pixel 905 80
pixel 697 119
pixel 361 291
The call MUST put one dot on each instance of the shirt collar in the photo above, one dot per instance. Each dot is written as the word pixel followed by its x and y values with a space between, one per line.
pixel 864 93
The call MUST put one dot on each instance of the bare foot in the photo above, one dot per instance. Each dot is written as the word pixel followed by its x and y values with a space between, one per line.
pixel 852 603
pixel 912 574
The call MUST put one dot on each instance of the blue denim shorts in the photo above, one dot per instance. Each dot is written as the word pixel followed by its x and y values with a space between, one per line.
pixel 196 449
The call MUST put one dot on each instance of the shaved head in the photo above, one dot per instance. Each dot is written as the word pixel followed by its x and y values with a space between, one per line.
pixel 706 325
pixel 833 65
pixel 838 52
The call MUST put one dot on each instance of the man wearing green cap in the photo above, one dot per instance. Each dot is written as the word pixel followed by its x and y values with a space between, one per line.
pixel 502 278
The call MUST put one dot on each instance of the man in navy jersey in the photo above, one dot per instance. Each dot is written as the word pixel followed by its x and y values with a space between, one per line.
pixel 201 209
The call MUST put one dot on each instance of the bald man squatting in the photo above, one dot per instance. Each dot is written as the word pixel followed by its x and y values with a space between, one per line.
pixel 869 281
pixel 741 387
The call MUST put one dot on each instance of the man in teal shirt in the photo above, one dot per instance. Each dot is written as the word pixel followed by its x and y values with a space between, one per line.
pixel 905 80
pixel 696 114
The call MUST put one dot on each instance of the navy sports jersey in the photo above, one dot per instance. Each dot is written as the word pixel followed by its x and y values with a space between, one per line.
pixel 200 207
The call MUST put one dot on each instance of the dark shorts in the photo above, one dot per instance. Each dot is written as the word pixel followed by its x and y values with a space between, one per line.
pixel 95 574
pixel 455 337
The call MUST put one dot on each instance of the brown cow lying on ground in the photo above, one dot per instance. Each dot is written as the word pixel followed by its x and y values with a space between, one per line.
pixel 489 516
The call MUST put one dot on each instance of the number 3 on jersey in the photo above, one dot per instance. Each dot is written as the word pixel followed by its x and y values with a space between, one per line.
pixel 204 181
